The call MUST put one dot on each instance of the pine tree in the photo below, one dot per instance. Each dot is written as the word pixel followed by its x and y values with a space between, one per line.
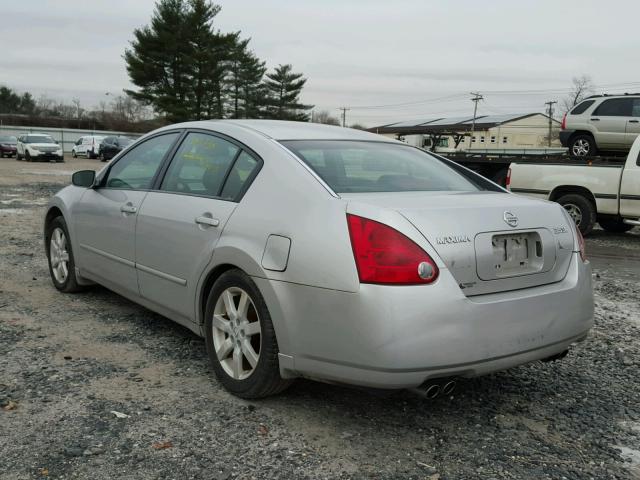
pixel 243 83
pixel 283 88
pixel 177 60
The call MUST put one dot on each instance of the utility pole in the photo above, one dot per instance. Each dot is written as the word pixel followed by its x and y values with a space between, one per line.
pixel 550 103
pixel 476 98
pixel 344 115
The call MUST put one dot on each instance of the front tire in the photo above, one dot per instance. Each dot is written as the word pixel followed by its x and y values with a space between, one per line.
pixel 27 156
pixel 240 338
pixel 581 210
pixel 62 266
pixel 583 146
pixel 614 225
pixel 74 154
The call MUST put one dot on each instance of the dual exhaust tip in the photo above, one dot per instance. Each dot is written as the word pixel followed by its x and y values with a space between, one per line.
pixel 434 388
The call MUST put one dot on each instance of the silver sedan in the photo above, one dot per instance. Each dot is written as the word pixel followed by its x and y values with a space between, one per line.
pixel 302 250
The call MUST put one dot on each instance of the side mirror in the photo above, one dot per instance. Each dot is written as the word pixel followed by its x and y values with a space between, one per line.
pixel 83 178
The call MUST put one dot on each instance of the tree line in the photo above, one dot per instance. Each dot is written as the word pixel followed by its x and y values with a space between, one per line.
pixel 186 69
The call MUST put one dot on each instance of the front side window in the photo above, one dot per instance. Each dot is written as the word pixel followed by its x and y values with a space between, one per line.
pixel 137 168
pixel 200 165
pixel 361 167
pixel 615 107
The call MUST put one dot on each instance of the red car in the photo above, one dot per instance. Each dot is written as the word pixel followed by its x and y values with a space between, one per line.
pixel 8 145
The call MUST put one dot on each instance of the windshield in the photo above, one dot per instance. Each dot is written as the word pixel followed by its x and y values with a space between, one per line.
pixel 7 139
pixel 124 141
pixel 361 167
pixel 39 139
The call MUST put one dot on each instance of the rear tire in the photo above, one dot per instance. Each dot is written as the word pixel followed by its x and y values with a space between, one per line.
pixel 233 333
pixel 581 210
pixel 614 225
pixel 583 145
pixel 62 265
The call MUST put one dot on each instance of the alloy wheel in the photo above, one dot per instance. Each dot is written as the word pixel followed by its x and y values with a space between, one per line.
pixel 236 333
pixel 574 212
pixel 59 255
pixel 581 148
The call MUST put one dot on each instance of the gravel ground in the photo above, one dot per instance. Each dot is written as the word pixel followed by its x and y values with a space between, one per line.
pixel 94 386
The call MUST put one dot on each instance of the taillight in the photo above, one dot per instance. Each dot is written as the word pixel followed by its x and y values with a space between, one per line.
pixel 385 256
pixel 507 182
pixel 581 245
pixel 563 125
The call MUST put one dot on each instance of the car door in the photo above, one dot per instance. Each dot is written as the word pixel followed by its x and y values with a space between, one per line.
pixel 633 124
pixel 609 120
pixel 105 217
pixel 630 185
pixel 180 223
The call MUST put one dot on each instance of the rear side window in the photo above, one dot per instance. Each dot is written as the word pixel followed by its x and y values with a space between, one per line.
pixel 242 172
pixel 361 167
pixel 635 112
pixel 200 165
pixel 615 107
pixel 582 107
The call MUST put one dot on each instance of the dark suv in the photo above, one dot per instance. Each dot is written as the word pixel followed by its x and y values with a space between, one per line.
pixel 111 146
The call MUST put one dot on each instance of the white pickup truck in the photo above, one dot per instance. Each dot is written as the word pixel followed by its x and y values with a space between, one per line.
pixel 607 193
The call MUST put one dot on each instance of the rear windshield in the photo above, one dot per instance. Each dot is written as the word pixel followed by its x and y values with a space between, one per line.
pixel 38 139
pixel 582 107
pixel 361 167
pixel 124 141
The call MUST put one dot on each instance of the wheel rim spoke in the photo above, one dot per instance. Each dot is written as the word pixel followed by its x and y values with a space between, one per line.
pixel 221 324
pixel 243 305
pixel 237 363
pixel 225 349
pixel 59 256
pixel 229 305
pixel 249 353
pixel 252 328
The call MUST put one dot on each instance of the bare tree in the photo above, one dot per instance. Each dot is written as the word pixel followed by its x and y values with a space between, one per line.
pixel 325 117
pixel 45 105
pixel 582 87
pixel 78 107
pixel 357 126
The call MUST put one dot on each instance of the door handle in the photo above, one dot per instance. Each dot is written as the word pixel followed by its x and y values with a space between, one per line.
pixel 634 121
pixel 128 208
pixel 595 119
pixel 209 221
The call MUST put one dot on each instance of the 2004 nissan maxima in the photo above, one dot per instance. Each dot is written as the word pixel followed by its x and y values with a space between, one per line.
pixel 302 250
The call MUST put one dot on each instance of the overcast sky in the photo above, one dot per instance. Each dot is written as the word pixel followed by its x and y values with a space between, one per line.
pixel 355 53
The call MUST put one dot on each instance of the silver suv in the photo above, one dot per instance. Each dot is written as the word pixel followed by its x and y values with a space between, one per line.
pixel 601 123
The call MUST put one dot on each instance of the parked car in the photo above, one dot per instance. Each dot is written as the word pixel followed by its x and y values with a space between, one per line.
pixel 591 192
pixel 305 250
pixel 601 123
pixel 8 145
pixel 111 146
pixel 89 146
pixel 38 146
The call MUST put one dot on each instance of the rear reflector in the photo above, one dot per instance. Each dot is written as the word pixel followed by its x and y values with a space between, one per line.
pixel 563 125
pixel 385 256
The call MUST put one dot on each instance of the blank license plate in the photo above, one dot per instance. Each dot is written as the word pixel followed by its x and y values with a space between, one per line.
pixel 519 252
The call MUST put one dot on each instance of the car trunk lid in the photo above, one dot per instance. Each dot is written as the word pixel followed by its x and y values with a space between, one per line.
pixel 490 241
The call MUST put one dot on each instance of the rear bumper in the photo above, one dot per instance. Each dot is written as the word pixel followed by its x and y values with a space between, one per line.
pixel 399 337
pixel 565 135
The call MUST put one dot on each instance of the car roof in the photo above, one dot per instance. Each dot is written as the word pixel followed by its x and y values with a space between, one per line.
pixel 288 130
